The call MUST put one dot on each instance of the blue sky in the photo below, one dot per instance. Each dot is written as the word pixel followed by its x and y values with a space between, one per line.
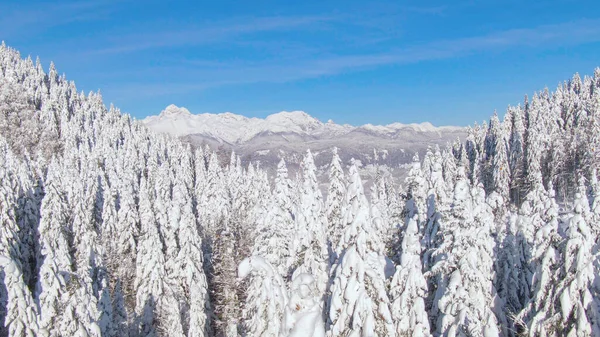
pixel 447 62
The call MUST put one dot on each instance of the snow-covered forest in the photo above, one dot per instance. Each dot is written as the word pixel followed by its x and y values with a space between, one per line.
pixel 109 229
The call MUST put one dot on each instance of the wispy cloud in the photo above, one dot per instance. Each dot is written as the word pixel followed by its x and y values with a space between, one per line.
pixel 546 36
pixel 217 33
pixel 27 19
pixel 139 89
pixel 205 74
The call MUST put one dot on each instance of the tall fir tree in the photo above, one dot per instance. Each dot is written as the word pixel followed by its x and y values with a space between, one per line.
pixel 408 288
pixel 333 207
pixel 310 242
pixel 359 304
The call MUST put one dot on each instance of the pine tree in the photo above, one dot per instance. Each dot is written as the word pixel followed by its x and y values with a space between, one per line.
pixel 416 188
pixel 22 316
pixel 578 307
pixel 544 261
pixel 359 303
pixel 109 219
pixel 333 208
pixel 303 314
pixel 438 203
pixel 529 221
pixel 266 300
pixel 11 247
pixel 214 203
pixel 56 266
pixel 408 289
pixel 501 171
pixel 82 299
pixel 190 273
pixel 595 205
pixel 150 267
pixel 162 205
pixel 534 146
pixel 128 222
pixel 79 315
pixel 310 242
pixel 275 231
pixel 379 212
pixel 463 303
pixel 180 214
pixel 507 271
pixel 515 154
pixel 225 298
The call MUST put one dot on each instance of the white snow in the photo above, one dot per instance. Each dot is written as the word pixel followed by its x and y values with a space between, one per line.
pixel 235 129
pixel 114 230
pixel 263 152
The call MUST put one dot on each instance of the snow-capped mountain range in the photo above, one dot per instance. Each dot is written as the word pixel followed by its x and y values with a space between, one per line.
pixel 289 134
pixel 236 129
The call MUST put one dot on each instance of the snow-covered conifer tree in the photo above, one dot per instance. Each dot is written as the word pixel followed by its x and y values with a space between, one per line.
pixel 199 175
pixel 275 231
pixel 379 212
pixel 408 289
pixel 416 188
pixel 310 242
pixel 544 261
pixel 266 299
pixel 579 314
pixel 22 316
pixel 226 303
pixel 501 170
pixel 109 229
pixel 150 266
pixel 126 246
pixel 449 169
pixel 82 310
pixel 359 304
pixel 395 205
pixel 333 208
pixel 55 259
pixel 438 202
pixel 303 313
pixel 493 136
pixel 515 153
pixel 215 202
pixel 190 273
pixel 162 206
pixel 10 245
pixel 529 221
pixel 595 205
pixel 463 301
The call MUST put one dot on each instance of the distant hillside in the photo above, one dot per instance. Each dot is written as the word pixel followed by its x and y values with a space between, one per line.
pixel 288 134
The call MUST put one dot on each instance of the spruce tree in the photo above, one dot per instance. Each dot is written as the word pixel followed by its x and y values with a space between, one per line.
pixel 359 304
pixel 463 302
pixel 408 289
pixel 310 242
pixel 333 207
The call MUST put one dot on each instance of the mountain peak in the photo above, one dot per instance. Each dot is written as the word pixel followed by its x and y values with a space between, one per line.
pixel 231 116
pixel 296 115
pixel 294 118
pixel 174 110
